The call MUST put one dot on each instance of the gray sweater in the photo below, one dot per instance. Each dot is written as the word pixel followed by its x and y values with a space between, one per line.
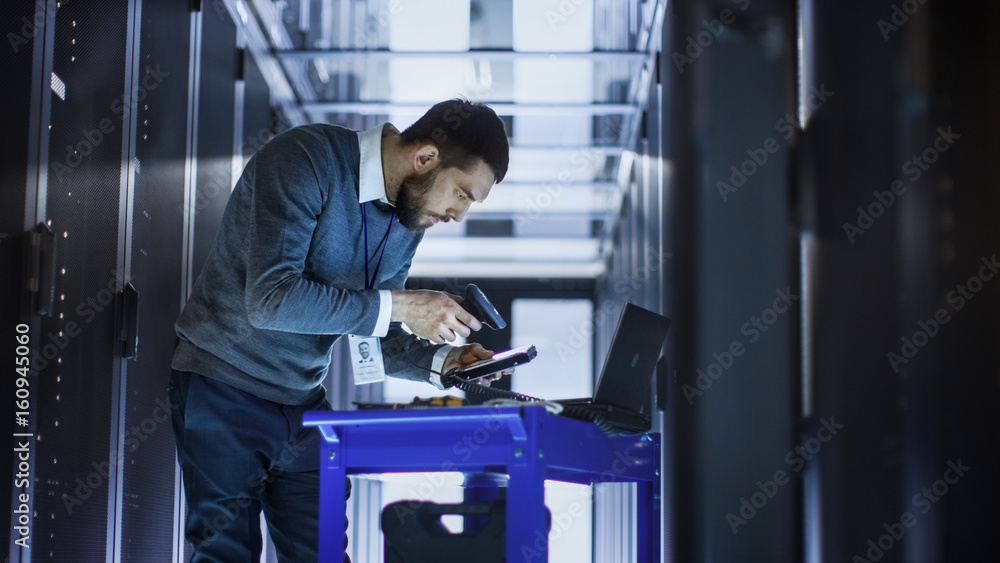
pixel 286 275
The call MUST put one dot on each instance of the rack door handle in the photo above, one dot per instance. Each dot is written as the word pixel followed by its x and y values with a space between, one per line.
pixel 127 329
pixel 41 270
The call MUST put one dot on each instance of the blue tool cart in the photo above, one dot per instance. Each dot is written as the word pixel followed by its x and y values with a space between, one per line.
pixel 526 443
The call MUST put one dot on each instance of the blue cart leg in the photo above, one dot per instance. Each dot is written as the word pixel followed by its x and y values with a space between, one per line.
pixel 527 530
pixel 647 521
pixel 332 504
pixel 648 525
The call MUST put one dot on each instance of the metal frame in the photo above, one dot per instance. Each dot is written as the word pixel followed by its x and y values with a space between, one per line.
pixel 502 108
pixel 239 100
pixel 123 260
pixel 635 49
pixel 190 188
pixel 38 140
pixel 485 54
pixel 191 162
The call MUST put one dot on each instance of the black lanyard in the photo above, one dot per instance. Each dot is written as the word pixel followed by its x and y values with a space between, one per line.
pixel 370 282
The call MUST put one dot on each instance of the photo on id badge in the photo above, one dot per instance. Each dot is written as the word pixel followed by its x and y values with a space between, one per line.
pixel 366 359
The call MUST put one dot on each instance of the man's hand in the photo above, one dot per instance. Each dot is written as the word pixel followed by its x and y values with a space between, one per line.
pixel 433 315
pixel 470 354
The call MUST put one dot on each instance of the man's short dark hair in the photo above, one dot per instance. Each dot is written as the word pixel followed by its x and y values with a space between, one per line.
pixel 463 131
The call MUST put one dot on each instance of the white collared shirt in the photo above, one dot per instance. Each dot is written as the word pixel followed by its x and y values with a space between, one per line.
pixel 372 178
pixel 371 186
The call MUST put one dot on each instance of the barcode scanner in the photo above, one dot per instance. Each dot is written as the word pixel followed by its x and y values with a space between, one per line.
pixel 476 303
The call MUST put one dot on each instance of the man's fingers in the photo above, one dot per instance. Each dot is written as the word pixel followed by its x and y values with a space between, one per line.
pixel 445 333
pixel 458 328
pixel 471 353
pixel 489 379
pixel 461 322
pixel 463 316
pixel 477 352
pixel 434 315
pixel 468 320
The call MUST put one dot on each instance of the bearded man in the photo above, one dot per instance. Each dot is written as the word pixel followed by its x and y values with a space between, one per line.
pixel 306 252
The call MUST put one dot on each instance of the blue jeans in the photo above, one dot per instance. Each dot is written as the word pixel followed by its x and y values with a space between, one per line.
pixel 240 455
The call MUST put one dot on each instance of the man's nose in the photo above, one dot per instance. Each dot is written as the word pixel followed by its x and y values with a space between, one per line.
pixel 459 214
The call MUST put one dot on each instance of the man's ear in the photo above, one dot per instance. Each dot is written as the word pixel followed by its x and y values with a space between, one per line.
pixel 426 158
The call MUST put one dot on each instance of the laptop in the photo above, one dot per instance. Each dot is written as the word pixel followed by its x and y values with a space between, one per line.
pixel 624 382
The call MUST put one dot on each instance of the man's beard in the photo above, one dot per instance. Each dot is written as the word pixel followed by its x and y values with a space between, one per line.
pixel 412 199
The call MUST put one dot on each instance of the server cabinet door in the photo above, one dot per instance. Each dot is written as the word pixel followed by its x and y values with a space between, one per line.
pixel 155 250
pixel 216 124
pixel 76 457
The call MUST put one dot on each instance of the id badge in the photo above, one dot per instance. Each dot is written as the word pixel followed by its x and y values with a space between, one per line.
pixel 366 359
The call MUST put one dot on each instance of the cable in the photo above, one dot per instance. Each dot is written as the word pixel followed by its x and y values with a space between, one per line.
pixel 571 411
pixel 488 392
pixel 596 418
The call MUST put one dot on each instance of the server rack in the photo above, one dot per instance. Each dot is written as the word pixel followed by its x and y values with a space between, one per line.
pixel 104 165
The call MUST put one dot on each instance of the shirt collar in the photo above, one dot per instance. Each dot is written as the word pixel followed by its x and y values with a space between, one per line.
pixel 372 180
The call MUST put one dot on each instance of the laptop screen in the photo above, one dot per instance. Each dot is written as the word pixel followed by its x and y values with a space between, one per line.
pixel 635 349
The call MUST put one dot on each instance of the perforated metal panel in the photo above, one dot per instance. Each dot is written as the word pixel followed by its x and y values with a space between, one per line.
pixel 215 130
pixel 259 124
pixel 156 249
pixel 74 459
